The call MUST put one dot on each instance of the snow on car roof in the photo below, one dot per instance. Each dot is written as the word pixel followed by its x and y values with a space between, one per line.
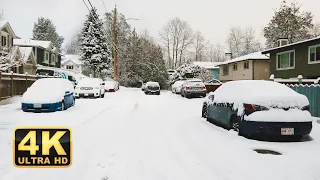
pixel 259 92
pixel 150 83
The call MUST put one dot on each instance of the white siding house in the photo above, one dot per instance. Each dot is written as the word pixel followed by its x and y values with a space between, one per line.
pixel 72 62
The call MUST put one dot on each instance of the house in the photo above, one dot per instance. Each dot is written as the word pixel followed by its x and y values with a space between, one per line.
pixel 45 53
pixel 72 62
pixel 213 67
pixel 291 60
pixel 17 60
pixel 253 66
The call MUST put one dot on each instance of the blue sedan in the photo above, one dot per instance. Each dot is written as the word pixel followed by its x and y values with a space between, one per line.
pixel 48 95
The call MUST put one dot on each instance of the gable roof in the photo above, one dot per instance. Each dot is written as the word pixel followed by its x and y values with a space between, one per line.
pixel 292 44
pixel 32 43
pixel 207 65
pixel 251 56
pixel 4 23
pixel 26 52
pixel 71 57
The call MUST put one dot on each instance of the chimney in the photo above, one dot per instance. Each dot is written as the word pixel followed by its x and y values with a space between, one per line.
pixel 228 56
pixel 282 42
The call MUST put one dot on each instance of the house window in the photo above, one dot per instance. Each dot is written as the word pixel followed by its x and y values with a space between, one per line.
pixel 235 67
pixel 285 60
pixel 314 54
pixel 3 41
pixel 246 65
pixel 225 70
pixel 46 57
pixel 53 59
pixel 69 66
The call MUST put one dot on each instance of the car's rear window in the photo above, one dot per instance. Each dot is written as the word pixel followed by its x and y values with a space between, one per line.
pixel 195 83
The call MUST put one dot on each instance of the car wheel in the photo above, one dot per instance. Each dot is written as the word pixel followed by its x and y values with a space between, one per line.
pixel 62 106
pixel 235 123
pixel 74 102
pixel 204 111
pixel 102 95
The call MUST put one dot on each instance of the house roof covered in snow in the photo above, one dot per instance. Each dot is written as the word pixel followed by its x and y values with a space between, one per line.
pixel 32 43
pixel 292 44
pixel 25 53
pixel 4 23
pixel 207 65
pixel 251 56
pixel 71 57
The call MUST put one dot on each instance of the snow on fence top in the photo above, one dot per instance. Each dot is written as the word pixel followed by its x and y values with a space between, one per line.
pixel 251 56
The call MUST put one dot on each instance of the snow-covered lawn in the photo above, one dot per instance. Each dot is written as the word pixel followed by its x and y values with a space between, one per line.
pixel 131 136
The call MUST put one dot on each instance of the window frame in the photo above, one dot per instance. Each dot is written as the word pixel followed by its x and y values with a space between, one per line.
pixel 235 66
pixel 285 52
pixel 53 59
pixel 316 61
pixel 70 66
pixel 227 73
pixel 244 65
pixel 45 57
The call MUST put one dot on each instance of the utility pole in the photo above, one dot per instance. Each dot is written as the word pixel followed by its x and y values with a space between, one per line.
pixel 115 44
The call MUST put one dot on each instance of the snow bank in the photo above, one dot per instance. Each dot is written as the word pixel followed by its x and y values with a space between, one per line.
pixel 280 115
pixel 259 92
pixel 11 100
pixel 47 90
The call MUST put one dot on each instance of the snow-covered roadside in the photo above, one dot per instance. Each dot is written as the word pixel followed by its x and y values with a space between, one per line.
pixel 131 136
pixel 15 99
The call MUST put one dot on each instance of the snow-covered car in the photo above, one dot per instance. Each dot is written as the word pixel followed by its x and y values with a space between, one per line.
pixel 111 86
pixel 176 87
pixel 90 87
pixel 193 87
pixel 258 107
pixel 48 95
pixel 152 88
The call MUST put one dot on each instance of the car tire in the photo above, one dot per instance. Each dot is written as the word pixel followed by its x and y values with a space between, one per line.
pixel 102 95
pixel 63 107
pixel 204 111
pixel 74 102
pixel 235 123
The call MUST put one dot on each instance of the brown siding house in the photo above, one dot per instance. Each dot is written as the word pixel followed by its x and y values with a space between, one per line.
pixel 301 58
pixel 254 66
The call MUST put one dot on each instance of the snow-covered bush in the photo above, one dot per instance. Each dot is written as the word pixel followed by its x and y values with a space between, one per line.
pixel 192 71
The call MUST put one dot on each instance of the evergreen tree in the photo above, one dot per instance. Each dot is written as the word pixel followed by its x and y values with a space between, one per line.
pixel 45 30
pixel 288 22
pixel 94 50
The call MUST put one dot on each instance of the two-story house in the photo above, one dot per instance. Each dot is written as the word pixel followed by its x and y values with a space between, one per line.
pixel 45 53
pixel 254 66
pixel 72 62
pixel 18 60
pixel 291 60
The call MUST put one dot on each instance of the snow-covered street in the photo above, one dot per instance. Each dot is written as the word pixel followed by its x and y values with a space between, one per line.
pixel 132 136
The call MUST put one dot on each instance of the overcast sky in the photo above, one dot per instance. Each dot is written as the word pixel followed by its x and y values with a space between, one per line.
pixel 213 18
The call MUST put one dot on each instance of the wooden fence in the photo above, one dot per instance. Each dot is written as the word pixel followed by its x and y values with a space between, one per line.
pixel 12 84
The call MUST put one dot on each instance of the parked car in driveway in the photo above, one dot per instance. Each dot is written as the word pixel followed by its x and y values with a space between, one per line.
pixel 152 88
pixel 48 95
pixel 257 107
pixel 111 86
pixel 176 87
pixel 193 88
pixel 90 87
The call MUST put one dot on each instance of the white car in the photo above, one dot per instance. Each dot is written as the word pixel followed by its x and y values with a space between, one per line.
pixel 176 87
pixel 48 95
pixel 111 86
pixel 90 87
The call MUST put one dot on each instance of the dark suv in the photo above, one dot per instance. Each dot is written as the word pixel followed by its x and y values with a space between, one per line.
pixel 152 88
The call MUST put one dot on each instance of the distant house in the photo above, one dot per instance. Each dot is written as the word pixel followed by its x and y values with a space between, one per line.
pixel 254 66
pixel 45 53
pixel 292 60
pixel 213 67
pixel 21 60
pixel 72 62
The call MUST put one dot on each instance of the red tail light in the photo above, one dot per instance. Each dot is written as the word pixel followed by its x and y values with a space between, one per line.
pixel 249 107
pixel 202 87
pixel 188 87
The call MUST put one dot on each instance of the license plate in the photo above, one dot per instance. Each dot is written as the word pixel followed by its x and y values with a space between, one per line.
pixel 86 94
pixel 37 105
pixel 287 131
